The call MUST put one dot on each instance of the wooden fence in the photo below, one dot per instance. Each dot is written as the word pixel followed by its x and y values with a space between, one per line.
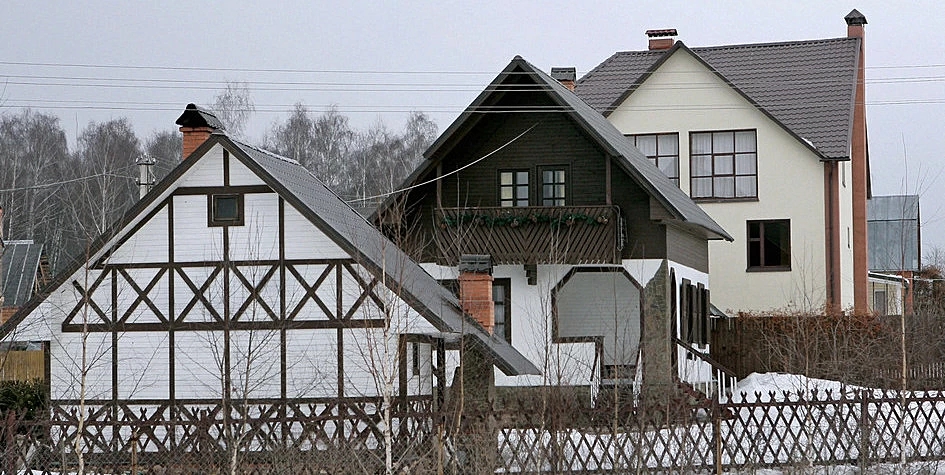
pixel 22 365
pixel 859 428
pixel 860 350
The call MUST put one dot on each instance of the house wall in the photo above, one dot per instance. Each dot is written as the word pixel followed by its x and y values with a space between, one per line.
pixel 846 235
pixel 683 96
pixel 554 141
pixel 169 268
pixel 569 363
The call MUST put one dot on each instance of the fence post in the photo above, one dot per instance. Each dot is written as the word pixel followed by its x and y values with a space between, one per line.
pixel 9 441
pixel 864 430
pixel 717 435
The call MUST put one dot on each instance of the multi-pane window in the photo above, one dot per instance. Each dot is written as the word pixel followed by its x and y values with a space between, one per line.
pixel 769 245
pixel 553 187
pixel 724 165
pixel 513 188
pixel 662 150
pixel 501 292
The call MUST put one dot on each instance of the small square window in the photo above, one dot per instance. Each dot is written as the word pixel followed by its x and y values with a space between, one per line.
pixel 226 210
pixel 769 245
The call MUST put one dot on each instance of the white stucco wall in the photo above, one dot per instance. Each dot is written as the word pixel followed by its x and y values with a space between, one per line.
pixel 567 363
pixel 683 96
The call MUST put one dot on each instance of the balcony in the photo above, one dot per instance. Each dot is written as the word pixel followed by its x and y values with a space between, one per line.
pixel 531 235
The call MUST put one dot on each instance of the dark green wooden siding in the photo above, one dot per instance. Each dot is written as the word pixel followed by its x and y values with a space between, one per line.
pixel 554 140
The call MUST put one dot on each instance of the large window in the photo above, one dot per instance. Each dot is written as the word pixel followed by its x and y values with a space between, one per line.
pixel 553 186
pixel 513 188
pixel 769 245
pixel 662 150
pixel 724 165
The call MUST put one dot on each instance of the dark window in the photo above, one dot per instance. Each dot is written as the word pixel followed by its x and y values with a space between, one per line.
pixel 226 210
pixel 416 359
pixel 513 188
pixel 724 165
pixel 501 297
pixel 769 245
pixel 619 371
pixel 553 187
pixel 662 150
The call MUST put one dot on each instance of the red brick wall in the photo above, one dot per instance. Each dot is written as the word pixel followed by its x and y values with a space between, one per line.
pixel 475 295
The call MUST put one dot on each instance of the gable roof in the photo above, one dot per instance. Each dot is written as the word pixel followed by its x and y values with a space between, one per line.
pixel 19 266
pixel 595 125
pixel 807 87
pixel 343 225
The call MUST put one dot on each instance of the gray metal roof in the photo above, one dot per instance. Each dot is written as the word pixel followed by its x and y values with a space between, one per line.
pixel 630 159
pixel 806 86
pixel 346 227
pixel 19 266
pixel 375 252
pixel 894 238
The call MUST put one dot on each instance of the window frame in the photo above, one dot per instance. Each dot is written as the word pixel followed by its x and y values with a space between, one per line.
pixel 515 185
pixel 506 284
pixel 713 175
pixel 566 170
pixel 213 220
pixel 761 247
pixel 656 159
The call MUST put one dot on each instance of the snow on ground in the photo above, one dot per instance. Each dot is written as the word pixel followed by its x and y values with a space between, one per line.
pixel 778 383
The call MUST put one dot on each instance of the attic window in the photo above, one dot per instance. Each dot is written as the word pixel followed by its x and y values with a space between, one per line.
pixel 225 210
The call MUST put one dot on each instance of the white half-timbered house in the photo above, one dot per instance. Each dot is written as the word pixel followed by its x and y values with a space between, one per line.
pixel 240 281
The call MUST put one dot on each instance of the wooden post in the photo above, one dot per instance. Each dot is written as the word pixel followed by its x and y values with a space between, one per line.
pixel 864 455
pixel 717 435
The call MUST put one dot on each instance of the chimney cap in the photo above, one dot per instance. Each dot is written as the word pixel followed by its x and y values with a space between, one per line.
pixel 195 116
pixel 855 18
pixel 476 263
pixel 564 74
pixel 661 32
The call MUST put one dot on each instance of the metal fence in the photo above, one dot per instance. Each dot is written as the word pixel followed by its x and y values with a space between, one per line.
pixel 859 428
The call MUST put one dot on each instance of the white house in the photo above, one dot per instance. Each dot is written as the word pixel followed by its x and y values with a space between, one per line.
pixel 770 140
pixel 600 263
pixel 241 286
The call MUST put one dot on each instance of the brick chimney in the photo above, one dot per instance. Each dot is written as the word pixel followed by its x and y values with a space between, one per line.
pixel 565 76
pixel 475 288
pixel 196 124
pixel 860 170
pixel 661 39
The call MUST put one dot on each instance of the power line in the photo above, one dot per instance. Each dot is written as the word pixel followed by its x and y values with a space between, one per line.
pixel 325 71
pixel 506 144
pixel 65 182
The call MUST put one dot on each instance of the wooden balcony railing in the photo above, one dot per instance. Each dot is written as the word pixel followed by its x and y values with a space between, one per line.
pixel 531 235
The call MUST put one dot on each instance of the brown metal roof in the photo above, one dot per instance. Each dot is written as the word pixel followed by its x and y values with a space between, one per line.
pixel 806 86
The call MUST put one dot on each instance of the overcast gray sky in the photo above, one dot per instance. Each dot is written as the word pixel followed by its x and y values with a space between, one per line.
pixel 84 60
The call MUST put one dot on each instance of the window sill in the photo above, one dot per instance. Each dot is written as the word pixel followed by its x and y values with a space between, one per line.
pixel 724 200
pixel 769 269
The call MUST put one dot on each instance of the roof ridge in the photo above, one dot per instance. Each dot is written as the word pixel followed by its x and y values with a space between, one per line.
pixel 267 152
pixel 738 45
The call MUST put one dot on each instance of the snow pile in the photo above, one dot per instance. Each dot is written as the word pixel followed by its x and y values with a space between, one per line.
pixel 764 384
